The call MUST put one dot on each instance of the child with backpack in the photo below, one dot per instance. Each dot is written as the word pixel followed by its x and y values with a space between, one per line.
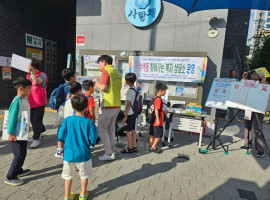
pixel 89 88
pixel 74 88
pixel 60 94
pixel 132 111
pixel 18 105
pixel 78 133
pixel 156 125
pixel 69 76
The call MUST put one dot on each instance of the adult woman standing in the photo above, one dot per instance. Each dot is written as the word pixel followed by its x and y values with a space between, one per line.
pixel 37 100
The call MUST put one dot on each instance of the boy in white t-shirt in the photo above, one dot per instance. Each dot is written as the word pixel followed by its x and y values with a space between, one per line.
pixel 74 88
pixel 130 118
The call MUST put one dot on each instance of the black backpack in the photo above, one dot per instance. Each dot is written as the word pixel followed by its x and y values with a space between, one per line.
pixel 138 103
pixel 150 112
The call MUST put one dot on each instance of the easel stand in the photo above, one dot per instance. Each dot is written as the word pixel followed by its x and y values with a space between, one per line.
pixel 217 135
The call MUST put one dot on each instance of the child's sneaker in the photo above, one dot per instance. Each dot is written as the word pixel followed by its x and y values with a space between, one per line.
pixel 59 153
pixel 71 197
pixel 14 182
pixel 84 197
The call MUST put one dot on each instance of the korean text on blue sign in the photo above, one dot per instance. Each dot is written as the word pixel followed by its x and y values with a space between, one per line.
pixel 142 13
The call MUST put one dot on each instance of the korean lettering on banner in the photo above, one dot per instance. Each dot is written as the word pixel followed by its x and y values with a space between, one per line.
pixel 179 69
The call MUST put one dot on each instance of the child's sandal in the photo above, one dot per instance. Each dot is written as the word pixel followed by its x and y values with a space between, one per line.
pixel 127 150
pixel 135 149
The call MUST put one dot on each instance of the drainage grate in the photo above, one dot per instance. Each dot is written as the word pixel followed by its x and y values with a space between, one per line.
pixel 245 194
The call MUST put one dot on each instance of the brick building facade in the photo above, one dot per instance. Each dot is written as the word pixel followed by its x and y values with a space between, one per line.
pixel 52 20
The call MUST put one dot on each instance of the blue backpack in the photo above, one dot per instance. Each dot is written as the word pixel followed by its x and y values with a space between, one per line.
pixel 58 97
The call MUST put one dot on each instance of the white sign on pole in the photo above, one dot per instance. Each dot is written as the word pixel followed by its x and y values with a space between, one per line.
pixel 219 93
pixel 20 63
pixel 179 69
pixel 34 41
pixel 249 95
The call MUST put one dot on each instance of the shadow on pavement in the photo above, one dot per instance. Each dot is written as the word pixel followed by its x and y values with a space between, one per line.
pixel 37 174
pixel 239 189
pixel 146 171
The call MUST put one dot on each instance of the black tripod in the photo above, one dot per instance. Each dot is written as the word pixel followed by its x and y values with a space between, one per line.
pixel 217 135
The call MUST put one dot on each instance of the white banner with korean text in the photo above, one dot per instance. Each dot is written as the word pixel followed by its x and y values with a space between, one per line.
pixel 179 69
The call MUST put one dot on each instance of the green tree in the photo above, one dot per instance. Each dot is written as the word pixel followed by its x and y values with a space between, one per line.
pixel 262 56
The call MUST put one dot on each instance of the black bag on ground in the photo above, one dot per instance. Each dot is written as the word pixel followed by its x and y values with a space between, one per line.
pixel 119 131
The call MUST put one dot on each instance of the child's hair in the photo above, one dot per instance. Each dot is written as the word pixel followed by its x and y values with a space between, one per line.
pixel 67 74
pixel 161 86
pixel 106 58
pixel 79 102
pixel 74 87
pixel 87 84
pixel 21 82
pixel 36 63
pixel 131 77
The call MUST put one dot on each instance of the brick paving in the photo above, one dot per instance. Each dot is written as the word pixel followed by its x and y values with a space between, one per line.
pixel 145 175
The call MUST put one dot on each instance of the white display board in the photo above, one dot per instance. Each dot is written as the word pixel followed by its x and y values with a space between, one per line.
pixel 219 93
pixel 179 69
pixel 249 95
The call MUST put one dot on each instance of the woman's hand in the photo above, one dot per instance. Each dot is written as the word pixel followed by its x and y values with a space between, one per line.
pixel 31 69
pixel 245 75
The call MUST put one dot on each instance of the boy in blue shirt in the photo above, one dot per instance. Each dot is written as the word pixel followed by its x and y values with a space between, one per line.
pixel 19 148
pixel 67 110
pixel 78 133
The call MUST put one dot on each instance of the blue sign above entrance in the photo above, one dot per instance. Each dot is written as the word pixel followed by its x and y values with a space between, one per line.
pixel 142 13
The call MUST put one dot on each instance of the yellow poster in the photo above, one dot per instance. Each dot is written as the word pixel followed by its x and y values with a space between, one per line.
pixel 34 53
pixel 262 72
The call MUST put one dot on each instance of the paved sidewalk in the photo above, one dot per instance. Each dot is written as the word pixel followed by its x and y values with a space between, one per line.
pixel 179 173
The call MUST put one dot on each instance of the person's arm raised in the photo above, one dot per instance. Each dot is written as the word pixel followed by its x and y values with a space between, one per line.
pixel 102 87
pixel 35 79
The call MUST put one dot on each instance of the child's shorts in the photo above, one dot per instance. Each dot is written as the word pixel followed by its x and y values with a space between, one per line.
pixel 85 169
pixel 131 122
pixel 156 131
